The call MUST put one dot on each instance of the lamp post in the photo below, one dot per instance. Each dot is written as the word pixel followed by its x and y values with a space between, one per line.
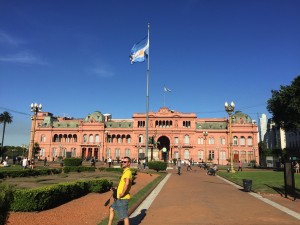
pixel 218 149
pixel 24 147
pixel 230 109
pixel 35 108
pixel 205 133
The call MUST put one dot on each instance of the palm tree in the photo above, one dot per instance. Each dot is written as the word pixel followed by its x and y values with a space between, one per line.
pixel 5 117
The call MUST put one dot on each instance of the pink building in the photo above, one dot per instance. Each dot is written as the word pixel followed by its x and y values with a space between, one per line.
pixel 179 134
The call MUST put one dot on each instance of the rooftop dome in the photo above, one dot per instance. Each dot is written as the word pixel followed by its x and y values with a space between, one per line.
pixel 239 117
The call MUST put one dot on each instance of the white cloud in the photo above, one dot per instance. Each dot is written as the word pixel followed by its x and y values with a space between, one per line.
pixel 102 72
pixel 7 39
pixel 23 57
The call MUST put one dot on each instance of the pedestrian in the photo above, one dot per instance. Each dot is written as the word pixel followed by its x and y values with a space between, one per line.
pixel 144 163
pixel 93 162
pixel 109 162
pixel 178 165
pixel 45 161
pixel 120 205
pixel 240 166
pixel 297 167
pixel 24 163
pixel 188 165
pixel 139 164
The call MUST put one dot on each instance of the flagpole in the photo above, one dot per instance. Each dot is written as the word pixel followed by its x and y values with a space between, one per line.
pixel 164 97
pixel 147 95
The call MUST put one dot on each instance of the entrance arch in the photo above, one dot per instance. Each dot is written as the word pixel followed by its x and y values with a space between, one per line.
pixel 164 148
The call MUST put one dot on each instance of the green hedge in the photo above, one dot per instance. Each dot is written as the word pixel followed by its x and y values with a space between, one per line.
pixel 72 162
pixel 68 169
pixel 6 193
pixel 38 199
pixel 157 165
pixel 28 172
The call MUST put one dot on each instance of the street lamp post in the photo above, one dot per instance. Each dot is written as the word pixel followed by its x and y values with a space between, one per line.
pixel 205 133
pixel 35 108
pixel 218 149
pixel 230 109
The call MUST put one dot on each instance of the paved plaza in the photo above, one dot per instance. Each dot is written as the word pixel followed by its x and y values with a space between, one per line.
pixel 196 198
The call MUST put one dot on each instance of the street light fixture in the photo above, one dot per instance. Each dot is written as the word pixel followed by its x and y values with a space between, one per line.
pixel 35 108
pixel 205 133
pixel 230 109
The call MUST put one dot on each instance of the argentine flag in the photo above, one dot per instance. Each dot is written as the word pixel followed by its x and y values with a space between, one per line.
pixel 139 51
pixel 167 89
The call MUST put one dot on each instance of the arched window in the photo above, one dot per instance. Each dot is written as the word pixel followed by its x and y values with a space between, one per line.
pixel 141 139
pixel 235 140
pixel 84 138
pixel 91 138
pixel 97 139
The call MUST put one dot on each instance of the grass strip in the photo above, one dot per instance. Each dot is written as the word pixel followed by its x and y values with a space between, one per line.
pixel 271 182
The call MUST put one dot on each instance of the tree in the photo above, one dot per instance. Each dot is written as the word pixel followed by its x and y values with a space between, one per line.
pixel 284 105
pixel 5 118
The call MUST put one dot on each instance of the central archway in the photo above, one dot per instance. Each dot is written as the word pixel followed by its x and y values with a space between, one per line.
pixel 163 145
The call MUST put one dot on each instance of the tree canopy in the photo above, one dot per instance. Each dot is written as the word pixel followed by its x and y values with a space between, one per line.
pixel 284 105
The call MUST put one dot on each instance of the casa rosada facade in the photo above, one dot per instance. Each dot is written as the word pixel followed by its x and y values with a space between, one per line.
pixel 171 135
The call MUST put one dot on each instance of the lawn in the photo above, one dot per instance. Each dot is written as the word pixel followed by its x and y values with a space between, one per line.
pixel 262 181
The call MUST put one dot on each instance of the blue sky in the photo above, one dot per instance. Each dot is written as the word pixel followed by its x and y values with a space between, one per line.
pixel 73 57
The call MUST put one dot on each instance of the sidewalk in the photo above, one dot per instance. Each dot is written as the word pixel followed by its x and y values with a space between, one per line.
pixel 195 198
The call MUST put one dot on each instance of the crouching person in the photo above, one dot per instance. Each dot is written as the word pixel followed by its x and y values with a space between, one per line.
pixel 212 171
pixel 120 205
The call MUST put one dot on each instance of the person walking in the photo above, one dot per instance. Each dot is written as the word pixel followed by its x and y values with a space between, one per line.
pixel 109 161
pixel 297 167
pixel 121 203
pixel 45 161
pixel 188 168
pixel 178 165
pixel 240 166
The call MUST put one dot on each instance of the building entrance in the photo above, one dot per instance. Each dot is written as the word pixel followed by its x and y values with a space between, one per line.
pixel 164 148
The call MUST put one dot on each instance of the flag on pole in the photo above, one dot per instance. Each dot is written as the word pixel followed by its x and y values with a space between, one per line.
pixel 139 51
pixel 167 89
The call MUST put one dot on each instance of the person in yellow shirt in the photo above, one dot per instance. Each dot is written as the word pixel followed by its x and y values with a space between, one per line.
pixel 121 202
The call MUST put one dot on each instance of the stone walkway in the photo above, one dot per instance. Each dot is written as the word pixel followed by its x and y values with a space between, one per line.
pixel 195 198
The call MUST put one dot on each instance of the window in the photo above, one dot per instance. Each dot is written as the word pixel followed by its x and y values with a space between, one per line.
pixel 127 152
pixel 141 138
pixel 211 154
pixel 243 156
pixel 43 138
pixel 222 155
pixel 84 138
pixel 117 152
pixel 242 141
pixel 186 154
pixel 176 140
pixel 91 138
pixel 211 141
pixel 186 139
pixel 200 155
pixel 97 139
pixel 119 140
pixel 222 141
pixel 250 156
pixel 108 153
pixel 235 140
pixel 249 141
pixel 128 140
pixel 73 152
pixel 42 152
